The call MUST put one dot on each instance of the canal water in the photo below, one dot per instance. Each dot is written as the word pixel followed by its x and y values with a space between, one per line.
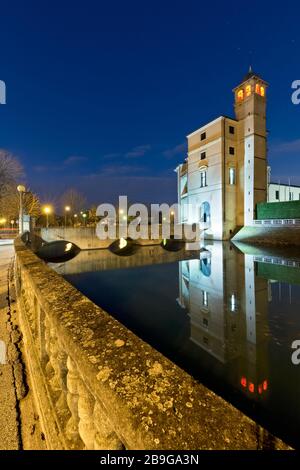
pixel 227 316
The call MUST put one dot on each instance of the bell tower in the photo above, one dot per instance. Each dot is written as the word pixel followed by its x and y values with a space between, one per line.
pixel 250 111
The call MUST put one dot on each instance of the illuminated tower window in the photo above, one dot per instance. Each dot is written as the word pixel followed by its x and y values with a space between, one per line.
pixel 248 90
pixel 232 303
pixel 260 90
pixel 240 95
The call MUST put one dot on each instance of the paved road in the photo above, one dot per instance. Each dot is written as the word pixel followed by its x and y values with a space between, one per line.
pixel 9 435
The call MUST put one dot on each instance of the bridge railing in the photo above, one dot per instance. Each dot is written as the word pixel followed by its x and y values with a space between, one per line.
pixel 277 222
pixel 98 386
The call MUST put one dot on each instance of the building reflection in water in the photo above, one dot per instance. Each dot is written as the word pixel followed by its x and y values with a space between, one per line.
pixel 228 306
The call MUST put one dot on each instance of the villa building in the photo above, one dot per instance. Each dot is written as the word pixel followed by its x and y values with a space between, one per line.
pixel 225 173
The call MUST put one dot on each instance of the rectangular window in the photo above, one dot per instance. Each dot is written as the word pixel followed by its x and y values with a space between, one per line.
pixel 203 136
pixel 231 150
pixel 203 155
pixel 231 130
pixel 277 195
pixel 291 196
pixel 203 181
pixel 204 298
pixel 232 303
pixel 231 175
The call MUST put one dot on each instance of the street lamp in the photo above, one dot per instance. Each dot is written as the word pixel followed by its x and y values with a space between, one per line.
pixel 47 211
pixel 12 224
pixel 67 209
pixel 21 190
pixel 84 218
pixel 75 217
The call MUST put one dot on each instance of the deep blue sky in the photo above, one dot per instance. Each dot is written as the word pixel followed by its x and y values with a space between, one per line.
pixel 100 95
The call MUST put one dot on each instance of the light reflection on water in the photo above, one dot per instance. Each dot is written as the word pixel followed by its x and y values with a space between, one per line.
pixel 222 316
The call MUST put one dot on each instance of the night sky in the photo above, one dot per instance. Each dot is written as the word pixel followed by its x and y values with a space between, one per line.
pixel 100 95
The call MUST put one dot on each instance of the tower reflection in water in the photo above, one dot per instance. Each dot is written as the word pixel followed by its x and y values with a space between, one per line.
pixel 228 306
pixel 232 325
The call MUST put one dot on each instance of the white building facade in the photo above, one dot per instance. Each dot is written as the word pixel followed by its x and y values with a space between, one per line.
pixel 225 173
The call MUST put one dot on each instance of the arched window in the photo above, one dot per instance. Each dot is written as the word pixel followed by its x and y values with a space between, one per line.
pixel 205 213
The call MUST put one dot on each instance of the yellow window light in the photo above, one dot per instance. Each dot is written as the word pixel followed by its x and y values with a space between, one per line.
pixel 240 95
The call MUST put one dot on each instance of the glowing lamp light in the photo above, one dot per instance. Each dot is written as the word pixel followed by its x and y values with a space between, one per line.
pixel 251 387
pixel 260 389
pixel 244 382
pixel 121 211
pixel 2 221
pixel 124 217
pixel 21 188
pixel 67 208
pixel 122 243
pixel 47 210
pixel 68 247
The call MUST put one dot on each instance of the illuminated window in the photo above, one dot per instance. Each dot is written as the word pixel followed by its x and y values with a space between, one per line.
pixel 232 303
pixel 240 95
pixel 231 175
pixel 248 90
pixel 204 298
pixel 260 90
pixel 251 387
pixel 203 179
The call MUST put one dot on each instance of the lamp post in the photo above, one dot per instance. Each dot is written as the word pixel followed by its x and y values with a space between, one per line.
pixel 47 211
pixel 67 209
pixel 84 218
pixel 12 224
pixel 21 190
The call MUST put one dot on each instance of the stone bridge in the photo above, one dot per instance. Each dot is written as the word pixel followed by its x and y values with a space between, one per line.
pixel 96 385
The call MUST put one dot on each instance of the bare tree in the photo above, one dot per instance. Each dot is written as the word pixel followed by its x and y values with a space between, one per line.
pixel 10 171
pixel 9 204
pixel 74 199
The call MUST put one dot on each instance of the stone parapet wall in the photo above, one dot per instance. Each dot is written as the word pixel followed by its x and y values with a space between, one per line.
pixel 98 386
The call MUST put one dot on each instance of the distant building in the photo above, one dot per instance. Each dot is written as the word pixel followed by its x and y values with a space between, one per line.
pixel 225 173
pixel 279 192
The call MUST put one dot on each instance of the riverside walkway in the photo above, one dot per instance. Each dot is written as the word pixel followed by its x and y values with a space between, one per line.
pixel 8 401
pixel 19 421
